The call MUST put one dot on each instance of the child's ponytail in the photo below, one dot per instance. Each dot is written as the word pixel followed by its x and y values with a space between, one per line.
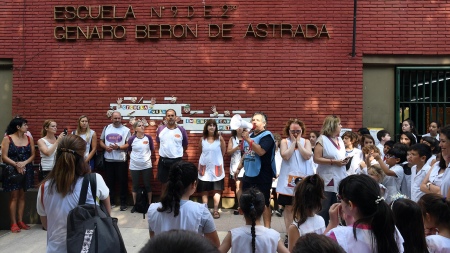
pixel 252 203
pixel 308 195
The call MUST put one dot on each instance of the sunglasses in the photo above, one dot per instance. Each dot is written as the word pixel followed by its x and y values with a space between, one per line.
pixel 295 131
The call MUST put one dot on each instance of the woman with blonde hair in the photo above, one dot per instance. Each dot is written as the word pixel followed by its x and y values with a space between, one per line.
pixel 47 147
pixel 329 154
pixel 60 191
pixel 89 136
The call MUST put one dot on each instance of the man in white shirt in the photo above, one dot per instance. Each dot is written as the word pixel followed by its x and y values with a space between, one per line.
pixel 114 140
pixel 172 141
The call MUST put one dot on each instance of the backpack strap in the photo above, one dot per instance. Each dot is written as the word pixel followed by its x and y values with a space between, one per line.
pixel 93 182
pixel 83 193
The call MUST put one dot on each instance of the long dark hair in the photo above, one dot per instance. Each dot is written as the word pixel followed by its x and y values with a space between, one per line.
pixel 252 204
pixel 14 123
pixel 308 197
pixel 364 192
pixel 408 219
pixel 69 165
pixel 437 207
pixel 181 175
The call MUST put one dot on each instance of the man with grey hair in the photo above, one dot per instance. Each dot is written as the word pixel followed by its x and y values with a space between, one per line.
pixel 114 140
pixel 259 161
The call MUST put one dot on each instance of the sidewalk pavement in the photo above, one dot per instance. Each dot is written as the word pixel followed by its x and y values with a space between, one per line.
pixel 133 227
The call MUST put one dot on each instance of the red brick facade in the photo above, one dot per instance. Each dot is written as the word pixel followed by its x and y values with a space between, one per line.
pixel 280 75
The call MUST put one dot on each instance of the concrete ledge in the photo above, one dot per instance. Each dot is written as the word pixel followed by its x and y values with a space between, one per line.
pixel 30 215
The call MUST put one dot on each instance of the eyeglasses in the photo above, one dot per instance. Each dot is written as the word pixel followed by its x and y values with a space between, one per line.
pixel 390 156
pixel 295 131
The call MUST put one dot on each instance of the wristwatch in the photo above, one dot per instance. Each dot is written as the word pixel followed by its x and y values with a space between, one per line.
pixel 428 185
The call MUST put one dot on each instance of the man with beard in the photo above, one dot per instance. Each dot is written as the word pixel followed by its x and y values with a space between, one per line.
pixel 172 140
pixel 114 140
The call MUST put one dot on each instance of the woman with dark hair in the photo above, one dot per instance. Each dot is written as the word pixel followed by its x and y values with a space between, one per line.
pixel 329 154
pixel 47 147
pixel 408 219
pixel 18 151
pixel 211 171
pixel 86 133
pixel 59 193
pixel 176 211
pixel 253 237
pixel 436 218
pixel 313 136
pixel 437 179
pixel 373 229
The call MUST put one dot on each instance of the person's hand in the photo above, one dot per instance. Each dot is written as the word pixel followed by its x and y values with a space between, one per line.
pixel 376 156
pixel 245 135
pixel 334 214
pixel 340 162
pixel 60 136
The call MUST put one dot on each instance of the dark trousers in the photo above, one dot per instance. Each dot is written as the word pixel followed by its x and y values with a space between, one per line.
pixel 117 172
pixel 330 199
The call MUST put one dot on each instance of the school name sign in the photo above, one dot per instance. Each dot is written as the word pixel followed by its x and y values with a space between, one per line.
pixel 90 22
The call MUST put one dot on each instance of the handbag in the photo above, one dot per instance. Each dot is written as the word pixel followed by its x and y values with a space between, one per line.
pixel 12 175
pixel 99 162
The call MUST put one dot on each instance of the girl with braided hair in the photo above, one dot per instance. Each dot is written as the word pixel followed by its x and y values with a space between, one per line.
pixel 176 211
pixel 253 237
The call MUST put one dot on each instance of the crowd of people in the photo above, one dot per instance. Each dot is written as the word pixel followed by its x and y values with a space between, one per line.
pixel 340 192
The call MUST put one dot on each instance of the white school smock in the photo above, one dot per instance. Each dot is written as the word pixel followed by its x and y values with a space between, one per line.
pixel 266 239
pixel 416 181
pixel 211 161
pixel 345 238
pixel 332 174
pixel 278 160
pixel 291 169
pixel 356 160
pixel 171 141
pixel 438 244
pixel 445 184
pixel 47 162
pixel 393 183
pixel 115 135
pixel 236 158
pixel 192 217
pixel 56 208
pixel 314 224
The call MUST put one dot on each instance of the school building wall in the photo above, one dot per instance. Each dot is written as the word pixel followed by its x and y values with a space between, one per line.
pixel 243 68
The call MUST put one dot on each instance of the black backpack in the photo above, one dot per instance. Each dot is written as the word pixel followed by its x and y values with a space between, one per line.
pixel 91 229
pixel 142 204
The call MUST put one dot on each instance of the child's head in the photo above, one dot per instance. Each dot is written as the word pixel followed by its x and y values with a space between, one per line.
pixel 308 197
pixel 277 138
pixel 432 143
pixel 313 135
pixel 408 126
pixel 433 128
pixel 435 211
pixel 395 156
pixel 252 204
pixel 408 139
pixel 367 139
pixel 312 243
pixel 360 199
pixel 375 172
pixel 388 145
pixel 369 149
pixel 383 136
pixel 418 154
pixel 408 219
pixel 350 138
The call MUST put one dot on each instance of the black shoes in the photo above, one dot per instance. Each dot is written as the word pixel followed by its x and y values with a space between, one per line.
pixel 279 212
pixel 123 208
pixel 286 241
pixel 133 210
pixel 236 212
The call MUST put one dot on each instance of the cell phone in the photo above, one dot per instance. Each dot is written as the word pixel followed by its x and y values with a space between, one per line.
pixel 65 131
pixel 347 159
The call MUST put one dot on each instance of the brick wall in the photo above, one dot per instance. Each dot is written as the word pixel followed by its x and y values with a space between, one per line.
pixel 284 77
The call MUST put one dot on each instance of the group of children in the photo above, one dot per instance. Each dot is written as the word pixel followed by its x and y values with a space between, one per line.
pixel 393 200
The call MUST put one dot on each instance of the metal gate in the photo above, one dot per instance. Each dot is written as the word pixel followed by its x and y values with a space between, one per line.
pixel 422 94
